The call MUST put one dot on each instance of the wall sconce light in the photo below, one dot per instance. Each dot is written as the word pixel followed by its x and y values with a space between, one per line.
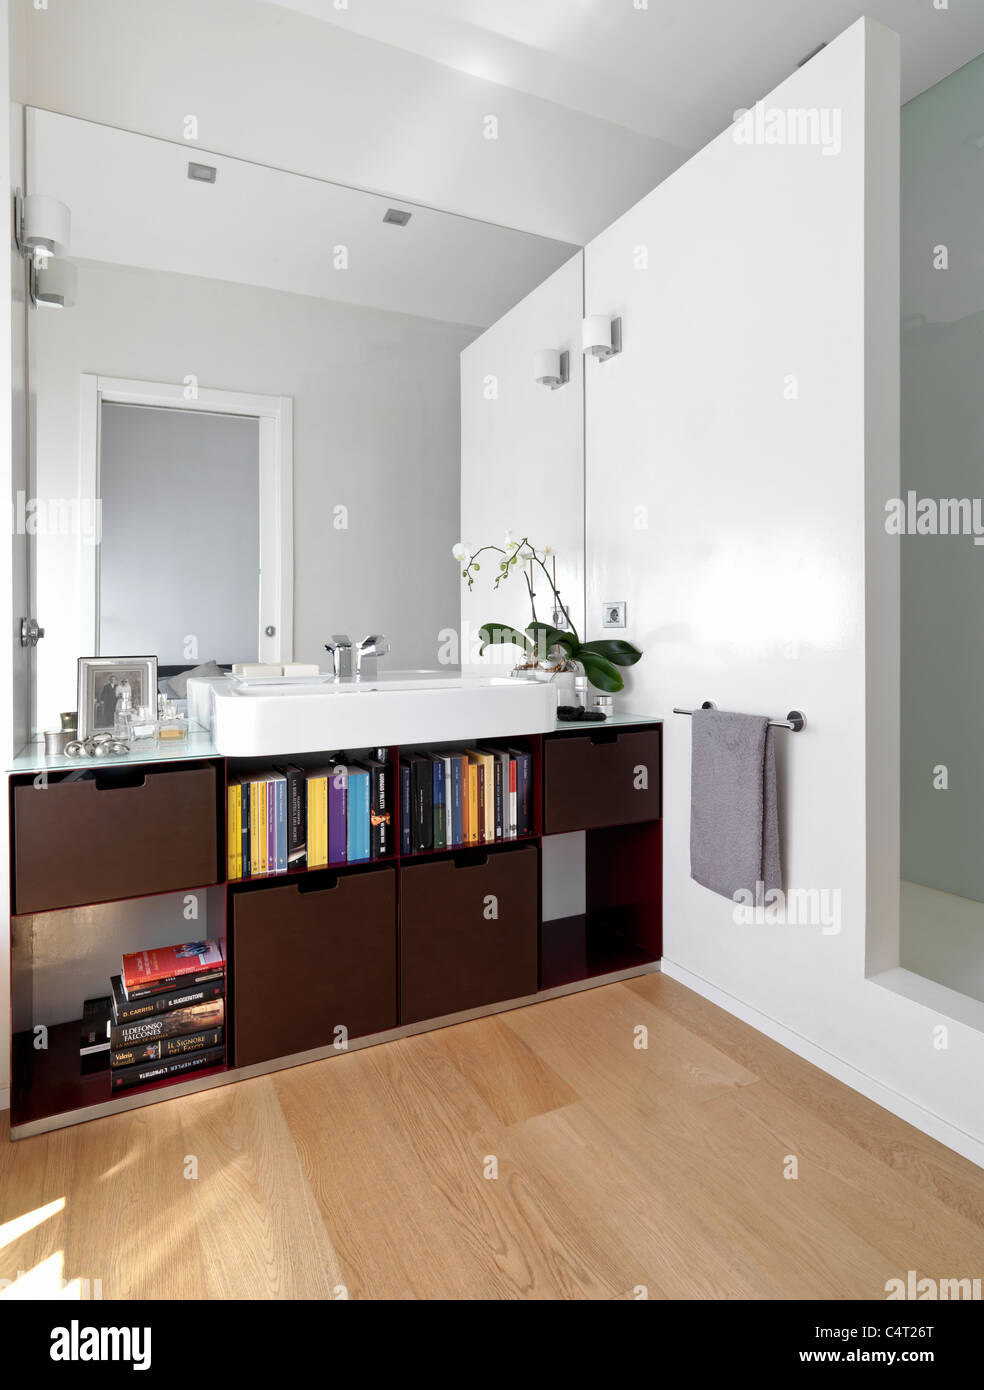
pixel 53 284
pixel 551 368
pixel 41 224
pixel 602 337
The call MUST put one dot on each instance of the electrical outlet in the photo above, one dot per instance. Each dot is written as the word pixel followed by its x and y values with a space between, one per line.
pixel 613 615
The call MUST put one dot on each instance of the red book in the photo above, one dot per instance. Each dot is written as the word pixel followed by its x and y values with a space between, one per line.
pixel 144 970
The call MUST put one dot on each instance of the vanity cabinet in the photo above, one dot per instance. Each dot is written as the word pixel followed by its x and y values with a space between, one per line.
pixel 122 857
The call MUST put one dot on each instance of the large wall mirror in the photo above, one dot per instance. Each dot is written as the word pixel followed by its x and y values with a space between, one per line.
pixel 247 415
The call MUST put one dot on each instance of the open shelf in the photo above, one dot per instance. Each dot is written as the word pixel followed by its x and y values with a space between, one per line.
pixel 587 946
pixel 49 1082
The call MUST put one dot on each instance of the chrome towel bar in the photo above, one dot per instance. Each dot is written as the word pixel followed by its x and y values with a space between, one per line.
pixel 795 719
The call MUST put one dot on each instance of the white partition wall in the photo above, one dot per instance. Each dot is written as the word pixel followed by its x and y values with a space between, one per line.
pixel 729 451
pixel 522 454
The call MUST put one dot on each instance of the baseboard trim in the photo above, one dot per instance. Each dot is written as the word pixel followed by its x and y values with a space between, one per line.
pixel 914 1114
pixel 5 1098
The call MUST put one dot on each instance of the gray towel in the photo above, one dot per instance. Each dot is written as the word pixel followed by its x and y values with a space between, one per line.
pixel 734 816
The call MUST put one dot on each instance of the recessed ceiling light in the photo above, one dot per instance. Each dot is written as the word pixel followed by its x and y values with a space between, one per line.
pixel 201 173
pixel 397 217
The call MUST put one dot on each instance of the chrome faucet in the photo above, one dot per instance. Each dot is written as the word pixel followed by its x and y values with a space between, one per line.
pixel 367 654
pixel 342 656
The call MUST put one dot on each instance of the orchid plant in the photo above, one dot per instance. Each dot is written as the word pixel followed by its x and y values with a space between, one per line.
pixel 554 645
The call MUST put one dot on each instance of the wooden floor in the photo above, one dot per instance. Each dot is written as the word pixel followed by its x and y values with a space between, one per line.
pixel 621 1173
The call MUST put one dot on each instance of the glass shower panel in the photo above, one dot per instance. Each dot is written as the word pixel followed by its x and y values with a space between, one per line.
pixel 942 523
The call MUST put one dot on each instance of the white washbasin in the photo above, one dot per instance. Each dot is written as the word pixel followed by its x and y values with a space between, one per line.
pixel 400 707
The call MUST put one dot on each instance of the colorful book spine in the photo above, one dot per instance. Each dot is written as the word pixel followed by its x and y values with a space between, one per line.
pixel 513 827
pixel 175 1023
pixel 380 808
pixel 338 801
pixel 422 793
pixel 271 824
pixel 296 815
pixel 406 808
pixel 458 766
pixel 524 791
pixel 440 833
pixel 281 789
pixel 358 841
pixel 317 818
pixel 234 849
pixel 473 801
pixel 254 827
pixel 244 814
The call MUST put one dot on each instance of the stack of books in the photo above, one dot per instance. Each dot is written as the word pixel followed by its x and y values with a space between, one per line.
pixel 296 818
pixel 465 796
pixel 167 1014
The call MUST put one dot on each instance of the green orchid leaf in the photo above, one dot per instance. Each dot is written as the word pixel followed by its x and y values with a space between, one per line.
pixel 600 672
pixel 613 649
pixel 544 638
pixel 502 635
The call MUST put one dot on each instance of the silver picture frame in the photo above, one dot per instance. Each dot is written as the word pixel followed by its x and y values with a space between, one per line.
pixel 100 680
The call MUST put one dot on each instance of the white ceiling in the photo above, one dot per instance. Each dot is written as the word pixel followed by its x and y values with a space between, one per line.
pixel 675 70
pixel 133 204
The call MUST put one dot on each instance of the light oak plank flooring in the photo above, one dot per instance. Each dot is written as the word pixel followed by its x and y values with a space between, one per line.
pixel 540 1154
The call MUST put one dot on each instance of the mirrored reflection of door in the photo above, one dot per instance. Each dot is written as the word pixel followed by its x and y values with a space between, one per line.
pixel 179 559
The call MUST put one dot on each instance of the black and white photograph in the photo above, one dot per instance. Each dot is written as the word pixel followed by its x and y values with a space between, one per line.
pixel 109 685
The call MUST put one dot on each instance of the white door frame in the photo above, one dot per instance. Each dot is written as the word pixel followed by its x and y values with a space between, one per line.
pixel 276 560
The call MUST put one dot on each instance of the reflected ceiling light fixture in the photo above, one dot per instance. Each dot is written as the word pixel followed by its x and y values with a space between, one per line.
pixel 201 173
pixel 53 284
pixel 41 224
pixel 551 368
pixel 397 217
pixel 602 337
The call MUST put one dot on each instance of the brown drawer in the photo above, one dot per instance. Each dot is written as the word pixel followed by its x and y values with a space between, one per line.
pixel 468 932
pixel 96 839
pixel 602 778
pixel 308 962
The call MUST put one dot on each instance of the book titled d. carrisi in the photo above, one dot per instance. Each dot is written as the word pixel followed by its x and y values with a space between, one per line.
pixel 143 1073
pixel 181 997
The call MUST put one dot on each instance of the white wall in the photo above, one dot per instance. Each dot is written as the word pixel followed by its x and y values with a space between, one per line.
pixel 748 575
pixel 376 430
pixel 287 90
pixel 522 455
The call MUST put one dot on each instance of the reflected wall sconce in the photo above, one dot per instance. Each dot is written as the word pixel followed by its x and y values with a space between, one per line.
pixel 42 229
pixel 41 224
pixel 551 368
pixel 602 337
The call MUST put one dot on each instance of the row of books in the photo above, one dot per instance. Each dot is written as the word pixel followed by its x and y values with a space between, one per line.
pixel 462 797
pixel 165 1017
pixel 297 818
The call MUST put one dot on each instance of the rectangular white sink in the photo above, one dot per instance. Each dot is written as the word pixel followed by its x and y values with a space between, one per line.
pixel 401 707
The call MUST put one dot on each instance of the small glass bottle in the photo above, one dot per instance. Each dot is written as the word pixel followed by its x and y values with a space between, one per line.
pixel 172 727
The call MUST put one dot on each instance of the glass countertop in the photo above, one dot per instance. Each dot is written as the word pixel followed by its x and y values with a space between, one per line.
pixel 198 744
